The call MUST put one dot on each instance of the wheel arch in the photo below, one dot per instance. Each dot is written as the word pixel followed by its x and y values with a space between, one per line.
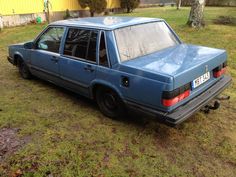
pixel 98 84
pixel 17 56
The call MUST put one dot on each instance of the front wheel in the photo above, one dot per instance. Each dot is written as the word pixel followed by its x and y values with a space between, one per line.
pixel 24 70
pixel 110 103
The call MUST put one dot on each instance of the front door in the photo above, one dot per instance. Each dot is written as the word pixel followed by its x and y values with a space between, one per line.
pixel 45 57
pixel 78 63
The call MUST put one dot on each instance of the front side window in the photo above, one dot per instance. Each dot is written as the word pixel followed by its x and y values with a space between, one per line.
pixel 81 44
pixel 139 40
pixel 51 39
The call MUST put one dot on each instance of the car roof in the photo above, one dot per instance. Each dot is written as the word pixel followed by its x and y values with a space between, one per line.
pixel 106 23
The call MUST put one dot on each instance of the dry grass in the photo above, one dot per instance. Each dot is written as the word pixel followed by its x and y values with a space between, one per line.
pixel 70 137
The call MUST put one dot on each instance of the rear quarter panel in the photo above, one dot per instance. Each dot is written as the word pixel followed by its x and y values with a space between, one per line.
pixel 141 90
pixel 144 88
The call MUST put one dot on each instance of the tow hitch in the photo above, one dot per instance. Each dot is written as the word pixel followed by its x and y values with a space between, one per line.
pixel 215 105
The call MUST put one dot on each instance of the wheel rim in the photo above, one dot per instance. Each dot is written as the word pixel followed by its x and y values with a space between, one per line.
pixel 109 101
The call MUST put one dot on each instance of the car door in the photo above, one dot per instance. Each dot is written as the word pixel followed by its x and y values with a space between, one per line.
pixel 45 55
pixel 78 62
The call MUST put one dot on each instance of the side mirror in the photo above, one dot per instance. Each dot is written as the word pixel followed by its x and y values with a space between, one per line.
pixel 29 45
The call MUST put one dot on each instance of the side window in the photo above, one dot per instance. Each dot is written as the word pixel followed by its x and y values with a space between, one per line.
pixel 51 40
pixel 81 44
pixel 103 59
pixel 92 47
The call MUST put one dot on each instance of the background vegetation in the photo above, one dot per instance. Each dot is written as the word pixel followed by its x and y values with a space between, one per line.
pixel 97 6
pixel 66 135
pixel 129 5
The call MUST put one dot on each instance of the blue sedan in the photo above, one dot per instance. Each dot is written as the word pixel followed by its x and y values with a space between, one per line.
pixel 126 63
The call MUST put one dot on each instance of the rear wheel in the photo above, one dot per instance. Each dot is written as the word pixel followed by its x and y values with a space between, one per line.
pixel 110 103
pixel 24 70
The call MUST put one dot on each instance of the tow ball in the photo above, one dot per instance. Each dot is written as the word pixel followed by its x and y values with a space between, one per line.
pixel 215 104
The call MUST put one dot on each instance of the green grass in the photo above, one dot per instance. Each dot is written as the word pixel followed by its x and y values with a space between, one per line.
pixel 66 135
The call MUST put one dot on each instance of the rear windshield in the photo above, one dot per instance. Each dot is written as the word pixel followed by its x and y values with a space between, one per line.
pixel 139 40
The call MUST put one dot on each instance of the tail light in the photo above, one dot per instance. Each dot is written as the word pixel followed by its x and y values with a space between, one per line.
pixel 220 70
pixel 170 98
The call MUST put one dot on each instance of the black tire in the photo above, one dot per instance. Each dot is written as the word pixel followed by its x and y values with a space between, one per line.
pixel 110 103
pixel 24 70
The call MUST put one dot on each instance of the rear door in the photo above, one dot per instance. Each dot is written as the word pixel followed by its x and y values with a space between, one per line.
pixel 78 62
pixel 45 56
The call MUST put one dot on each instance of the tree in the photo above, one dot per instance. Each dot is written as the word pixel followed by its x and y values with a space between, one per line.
pixel 178 4
pixel 97 6
pixel 47 6
pixel 129 5
pixel 196 19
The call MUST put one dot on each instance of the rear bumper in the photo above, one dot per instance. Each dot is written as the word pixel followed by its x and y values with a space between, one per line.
pixel 11 60
pixel 185 111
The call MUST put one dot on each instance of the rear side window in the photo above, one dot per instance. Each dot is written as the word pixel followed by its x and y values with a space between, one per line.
pixel 92 46
pixel 81 44
pixel 103 59
pixel 51 39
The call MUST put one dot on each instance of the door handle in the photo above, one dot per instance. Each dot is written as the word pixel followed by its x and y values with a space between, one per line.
pixel 54 58
pixel 89 68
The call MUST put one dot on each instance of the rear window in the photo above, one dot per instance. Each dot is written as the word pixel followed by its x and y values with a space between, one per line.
pixel 139 40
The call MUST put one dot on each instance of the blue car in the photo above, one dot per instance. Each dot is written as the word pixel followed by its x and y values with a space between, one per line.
pixel 126 63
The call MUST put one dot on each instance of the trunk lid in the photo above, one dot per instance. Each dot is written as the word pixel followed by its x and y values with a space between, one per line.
pixel 183 62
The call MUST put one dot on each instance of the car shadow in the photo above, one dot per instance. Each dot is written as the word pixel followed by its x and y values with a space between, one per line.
pixel 135 118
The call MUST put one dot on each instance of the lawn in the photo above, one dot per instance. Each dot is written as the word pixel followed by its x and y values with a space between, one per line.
pixel 58 133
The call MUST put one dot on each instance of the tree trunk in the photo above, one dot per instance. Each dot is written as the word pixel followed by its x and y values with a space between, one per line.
pixel 48 15
pixel 91 13
pixel 196 14
pixel 1 23
pixel 128 10
pixel 178 4
pixel 47 11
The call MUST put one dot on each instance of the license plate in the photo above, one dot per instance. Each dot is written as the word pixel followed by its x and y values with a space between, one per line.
pixel 200 80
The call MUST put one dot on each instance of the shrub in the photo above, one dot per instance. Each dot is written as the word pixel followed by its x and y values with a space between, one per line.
pixel 67 14
pixel 97 6
pixel 129 5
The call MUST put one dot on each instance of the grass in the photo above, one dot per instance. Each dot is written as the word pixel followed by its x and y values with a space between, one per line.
pixel 66 135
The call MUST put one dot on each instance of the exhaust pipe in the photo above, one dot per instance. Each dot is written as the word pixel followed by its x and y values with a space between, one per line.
pixel 223 97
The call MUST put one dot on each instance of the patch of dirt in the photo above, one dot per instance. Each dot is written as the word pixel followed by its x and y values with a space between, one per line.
pixel 9 142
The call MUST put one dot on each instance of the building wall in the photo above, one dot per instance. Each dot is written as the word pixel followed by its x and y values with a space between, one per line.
pixel 19 12
pixel 21 19
pixel 113 4
pixel 12 7
pixel 157 1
